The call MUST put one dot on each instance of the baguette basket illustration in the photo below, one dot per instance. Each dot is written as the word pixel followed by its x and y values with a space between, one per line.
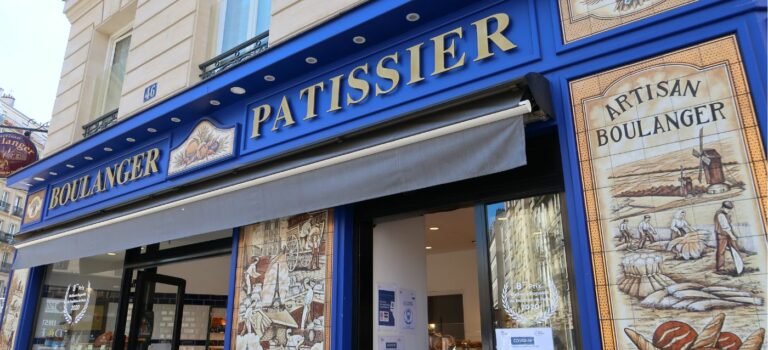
pixel 676 335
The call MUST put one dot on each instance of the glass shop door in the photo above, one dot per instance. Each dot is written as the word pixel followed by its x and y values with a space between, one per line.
pixel 146 319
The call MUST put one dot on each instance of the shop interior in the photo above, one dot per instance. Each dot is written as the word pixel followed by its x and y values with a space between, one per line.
pixel 433 259
pixel 182 295
pixel 428 268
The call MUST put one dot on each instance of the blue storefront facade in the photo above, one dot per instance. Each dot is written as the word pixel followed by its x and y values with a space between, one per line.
pixel 620 106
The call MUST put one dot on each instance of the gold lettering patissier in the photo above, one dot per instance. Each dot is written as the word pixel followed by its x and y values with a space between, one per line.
pixel 446 55
pixel 119 173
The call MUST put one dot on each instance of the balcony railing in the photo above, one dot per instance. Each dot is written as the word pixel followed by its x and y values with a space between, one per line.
pixel 234 56
pixel 99 124
pixel 18 210
pixel 5 206
pixel 6 237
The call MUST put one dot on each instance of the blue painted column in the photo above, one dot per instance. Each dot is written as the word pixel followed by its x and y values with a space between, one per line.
pixel 343 279
pixel 25 331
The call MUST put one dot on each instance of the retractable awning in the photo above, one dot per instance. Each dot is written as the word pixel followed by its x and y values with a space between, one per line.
pixel 452 143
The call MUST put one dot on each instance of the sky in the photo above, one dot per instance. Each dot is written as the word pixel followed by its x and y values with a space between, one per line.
pixel 33 38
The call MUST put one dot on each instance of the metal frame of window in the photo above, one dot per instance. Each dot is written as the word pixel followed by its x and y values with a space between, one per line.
pixel 134 259
pixel 153 257
pixel 120 35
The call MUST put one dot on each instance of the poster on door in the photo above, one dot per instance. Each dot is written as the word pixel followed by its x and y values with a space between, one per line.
pixel 408 307
pixel 674 175
pixel 387 307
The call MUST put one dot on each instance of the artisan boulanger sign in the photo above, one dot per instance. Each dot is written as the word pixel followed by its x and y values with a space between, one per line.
pixel 126 170
pixel 673 167
pixel 16 152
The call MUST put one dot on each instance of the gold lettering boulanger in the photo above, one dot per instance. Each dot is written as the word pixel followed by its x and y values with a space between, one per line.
pixel 120 173
pixel 446 56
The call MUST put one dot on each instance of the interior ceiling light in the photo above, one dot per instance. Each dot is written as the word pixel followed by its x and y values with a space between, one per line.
pixel 88 158
pixel 434 228
pixel 151 130
pixel 108 149
pixel 311 60
pixel 36 178
pixel 412 17
pixel 130 139
pixel 214 102
pixel 111 254
pixel 53 173
pixel 269 77
pixel 237 90
pixel 501 218
pixel 359 39
pixel 178 120
pixel 70 166
pixel 428 247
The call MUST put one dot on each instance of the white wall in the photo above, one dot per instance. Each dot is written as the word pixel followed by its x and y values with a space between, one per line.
pixel 456 273
pixel 204 276
pixel 399 259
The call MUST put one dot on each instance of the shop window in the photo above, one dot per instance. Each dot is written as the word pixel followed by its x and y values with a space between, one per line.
pixel 238 21
pixel 115 72
pixel 78 306
pixel 529 274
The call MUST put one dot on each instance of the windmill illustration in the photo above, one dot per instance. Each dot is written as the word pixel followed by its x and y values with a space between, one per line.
pixel 711 165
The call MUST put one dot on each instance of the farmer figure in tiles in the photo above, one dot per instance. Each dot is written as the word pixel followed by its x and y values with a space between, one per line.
pixel 646 230
pixel 726 238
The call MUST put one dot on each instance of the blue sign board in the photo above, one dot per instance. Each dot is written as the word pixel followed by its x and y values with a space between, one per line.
pixel 421 69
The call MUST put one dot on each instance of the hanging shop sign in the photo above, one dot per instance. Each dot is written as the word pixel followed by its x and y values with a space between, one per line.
pixel 16 152
pixel 436 65
pixel 673 170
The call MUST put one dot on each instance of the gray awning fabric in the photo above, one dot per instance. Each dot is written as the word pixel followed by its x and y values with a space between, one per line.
pixel 470 153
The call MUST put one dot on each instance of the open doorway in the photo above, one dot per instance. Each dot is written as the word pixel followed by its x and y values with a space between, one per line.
pixel 179 306
pixel 425 277
pixel 176 294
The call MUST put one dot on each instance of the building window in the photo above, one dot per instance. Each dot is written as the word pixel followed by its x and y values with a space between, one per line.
pixel 115 73
pixel 4 201
pixel 529 279
pixel 12 228
pixel 1 225
pixel 78 305
pixel 240 20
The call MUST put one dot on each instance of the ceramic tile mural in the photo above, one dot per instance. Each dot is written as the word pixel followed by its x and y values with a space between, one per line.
pixel 16 290
pixel 582 18
pixel 674 175
pixel 34 207
pixel 205 144
pixel 283 287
